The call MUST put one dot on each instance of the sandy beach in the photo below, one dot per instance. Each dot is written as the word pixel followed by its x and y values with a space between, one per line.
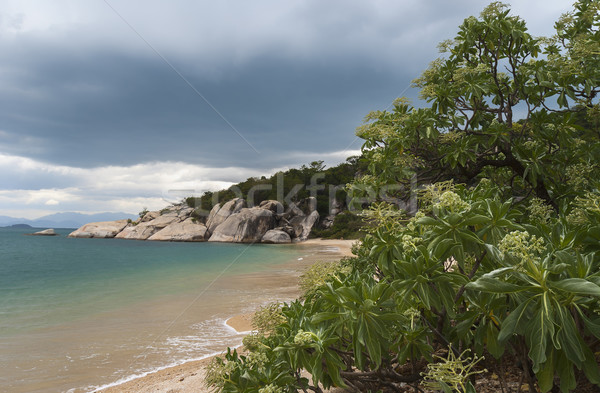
pixel 189 377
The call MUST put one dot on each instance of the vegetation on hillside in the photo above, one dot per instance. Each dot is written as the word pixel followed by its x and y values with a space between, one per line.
pixel 292 185
pixel 499 266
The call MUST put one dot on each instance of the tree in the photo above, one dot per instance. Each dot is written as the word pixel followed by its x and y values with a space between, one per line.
pixel 502 106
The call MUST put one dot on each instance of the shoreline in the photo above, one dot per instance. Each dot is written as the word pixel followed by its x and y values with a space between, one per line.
pixel 188 376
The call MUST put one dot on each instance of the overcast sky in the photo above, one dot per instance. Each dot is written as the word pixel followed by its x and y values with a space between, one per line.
pixel 112 105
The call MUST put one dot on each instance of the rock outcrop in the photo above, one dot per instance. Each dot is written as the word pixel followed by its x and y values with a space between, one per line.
pixel 276 236
pixel 302 217
pixel 303 225
pixel 103 229
pixel 45 232
pixel 246 226
pixel 275 206
pixel 231 221
pixel 219 214
pixel 144 230
pixel 150 216
pixel 185 231
pixel 334 210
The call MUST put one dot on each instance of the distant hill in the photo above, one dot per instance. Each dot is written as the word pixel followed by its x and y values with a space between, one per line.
pixel 21 226
pixel 64 220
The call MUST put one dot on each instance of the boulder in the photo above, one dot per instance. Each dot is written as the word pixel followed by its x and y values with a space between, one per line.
pixel 211 215
pixel 276 236
pixel 308 205
pixel 287 229
pixel 150 216
pixel 104 229
pixel 45 232
pixel 335 207
pixel 218 215
pixel 247 226
pixel 185 212
pixel 144 230
pixel 185 231
pixel 303 225
pixel 328 221
pixel 292 211
pixel 275 206
pixel 303 208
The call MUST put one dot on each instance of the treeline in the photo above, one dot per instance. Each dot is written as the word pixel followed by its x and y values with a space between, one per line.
pixel 328 185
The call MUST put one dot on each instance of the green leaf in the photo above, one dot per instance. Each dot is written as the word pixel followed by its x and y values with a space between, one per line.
pixel 566 374
pixel 325 316
pixel 445 387
pixel 477 219
pixel 512 323
pixel 493 252
pixel 539 329
pixel 493 345
pixel 469 236
pixel 334 365
pixel 493 285
pixel 590 366
pixel 349 293
pixel 440 248
pixel 578 286
pixel 545 375
pixel 569 336
pixel 590 325
pixel 427 221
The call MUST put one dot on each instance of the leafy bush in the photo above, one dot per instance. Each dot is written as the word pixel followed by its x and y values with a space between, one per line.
pixel 468 275
pixel 502 260
pixel 318 273
pixel 346 225
pixel 143 213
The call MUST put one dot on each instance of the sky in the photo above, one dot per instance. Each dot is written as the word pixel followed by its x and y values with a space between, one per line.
pixel 110 105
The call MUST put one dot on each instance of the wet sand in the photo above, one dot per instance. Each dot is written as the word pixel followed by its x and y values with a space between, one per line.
pixel 189 377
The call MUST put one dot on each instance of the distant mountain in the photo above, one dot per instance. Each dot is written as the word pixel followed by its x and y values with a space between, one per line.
pixel 65 220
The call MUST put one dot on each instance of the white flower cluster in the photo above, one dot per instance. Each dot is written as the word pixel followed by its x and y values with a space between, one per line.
pixel 453 371
pixel 410 242
pixel 412 223
pixel 539 212
pixel 256 359
pixel 272 388
pixel 304 338
pixel 522 245
pixel 452 201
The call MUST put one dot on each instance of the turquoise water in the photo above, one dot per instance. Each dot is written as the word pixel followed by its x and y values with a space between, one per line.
pixel 77 313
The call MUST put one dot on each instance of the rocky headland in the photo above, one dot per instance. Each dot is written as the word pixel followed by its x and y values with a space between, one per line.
pixel 232 221
pixel 45 232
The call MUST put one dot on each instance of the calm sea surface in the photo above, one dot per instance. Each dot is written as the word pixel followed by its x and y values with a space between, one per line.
pixel 76 314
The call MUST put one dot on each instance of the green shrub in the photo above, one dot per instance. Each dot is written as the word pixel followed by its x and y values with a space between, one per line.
pixel 143 213
pixel 346 225
pixel 317 275
pixel 503 258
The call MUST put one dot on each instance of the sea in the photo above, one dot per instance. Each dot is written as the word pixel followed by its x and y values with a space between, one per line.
pixel 77 315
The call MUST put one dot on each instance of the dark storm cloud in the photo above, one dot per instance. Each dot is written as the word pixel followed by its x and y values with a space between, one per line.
pixel 97 104
pixel 110 109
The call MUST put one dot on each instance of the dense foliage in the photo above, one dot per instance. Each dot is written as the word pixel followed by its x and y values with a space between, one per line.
pixel 347 225
pixel 499 265
pixel 494 73
pixel 292 185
